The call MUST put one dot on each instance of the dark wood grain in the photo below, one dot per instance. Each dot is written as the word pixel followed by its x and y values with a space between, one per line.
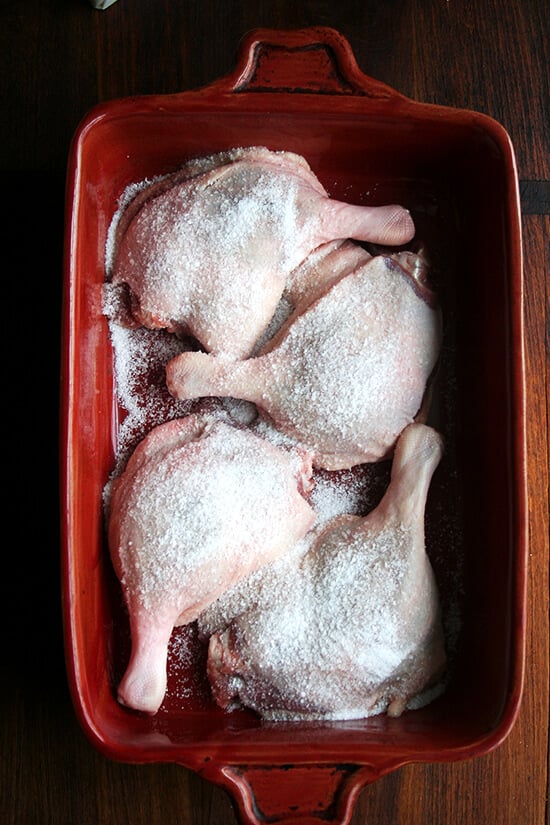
pixel 59 58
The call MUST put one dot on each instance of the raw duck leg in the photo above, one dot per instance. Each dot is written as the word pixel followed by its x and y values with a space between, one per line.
pixel 207 250
pixel 200 505
pixel 345 376
pixel 347 628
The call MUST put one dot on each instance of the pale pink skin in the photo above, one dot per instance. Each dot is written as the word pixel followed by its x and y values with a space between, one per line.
pixel 202 291
pixel 333 278
pixel 144 683
pixel 303 689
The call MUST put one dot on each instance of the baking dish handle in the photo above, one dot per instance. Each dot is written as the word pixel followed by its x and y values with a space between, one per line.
pixel 298 794
pixel 316 60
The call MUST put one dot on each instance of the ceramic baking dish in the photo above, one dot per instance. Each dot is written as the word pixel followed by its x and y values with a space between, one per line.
pixel 455 171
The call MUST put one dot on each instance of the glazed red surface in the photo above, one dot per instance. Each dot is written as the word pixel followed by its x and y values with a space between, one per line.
pixel 455 171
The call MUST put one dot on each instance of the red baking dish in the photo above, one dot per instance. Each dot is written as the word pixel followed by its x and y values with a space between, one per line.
pixel 455 170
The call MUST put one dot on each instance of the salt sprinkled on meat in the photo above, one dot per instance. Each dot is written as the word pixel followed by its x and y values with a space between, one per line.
pixel 190 530
pixel 324 599
pixel 335 496
pixel 344 377
pixel 201 228
pixel 201 504
pixel 125 199
pixel 351 625
pixel 337 360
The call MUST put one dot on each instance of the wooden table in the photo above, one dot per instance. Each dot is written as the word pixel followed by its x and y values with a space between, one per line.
pixel 60 57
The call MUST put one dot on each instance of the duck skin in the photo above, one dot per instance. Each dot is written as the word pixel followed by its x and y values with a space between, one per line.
pixel 200 505
pixel 207 250
pixel 350 625
pixel 345 375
